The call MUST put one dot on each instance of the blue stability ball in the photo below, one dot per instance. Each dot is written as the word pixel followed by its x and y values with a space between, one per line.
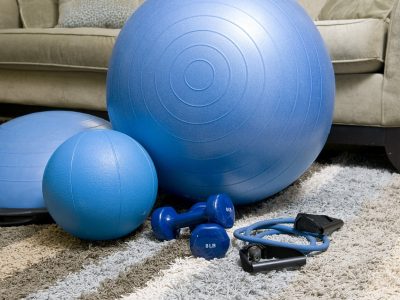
pixel 100 185
pixel 26 144
pixel 228 96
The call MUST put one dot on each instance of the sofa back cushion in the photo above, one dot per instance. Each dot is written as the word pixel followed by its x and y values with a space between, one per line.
pixel 313 7
pixel 96 13
pixel 355 46
pixel 58 49
pixel 356 9
pixel 9 15
pixel 38 13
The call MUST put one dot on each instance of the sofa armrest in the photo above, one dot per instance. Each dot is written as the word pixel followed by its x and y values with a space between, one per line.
pixel 9 14
pixel 391 83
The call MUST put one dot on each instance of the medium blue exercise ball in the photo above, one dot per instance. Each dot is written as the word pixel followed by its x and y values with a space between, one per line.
pixel 228 96
pixel 26 144
pixel 100 185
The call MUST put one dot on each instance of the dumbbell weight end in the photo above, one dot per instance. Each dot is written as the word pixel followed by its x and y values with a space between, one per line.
pixel 209 241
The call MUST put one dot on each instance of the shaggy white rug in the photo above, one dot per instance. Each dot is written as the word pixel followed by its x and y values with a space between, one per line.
pixel 363 261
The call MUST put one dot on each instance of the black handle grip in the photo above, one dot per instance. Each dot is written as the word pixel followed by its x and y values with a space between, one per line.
pixel 276 264
pixel 276 258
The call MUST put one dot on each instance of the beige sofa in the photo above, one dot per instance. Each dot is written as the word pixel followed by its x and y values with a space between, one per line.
pixel 66 68
pixel 366 58
pixel 54 67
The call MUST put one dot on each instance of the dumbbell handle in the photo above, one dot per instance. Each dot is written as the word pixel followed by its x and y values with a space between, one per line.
pixel 190 218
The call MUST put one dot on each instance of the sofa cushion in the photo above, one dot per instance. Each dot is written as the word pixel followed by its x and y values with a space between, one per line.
pixel 57 48
pixel 38 13
pixel 356 9
pixel 355 46
pixel 96 13
pixel 313 7
pixel 72 89
pixel 9 15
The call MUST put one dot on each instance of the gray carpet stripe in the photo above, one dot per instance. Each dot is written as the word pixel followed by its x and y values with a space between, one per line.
pixel 10 235
pixel 46 244
pixel 137 276
pixel 180 273
pixel 48 271
pixel 92 275
pixel 340 195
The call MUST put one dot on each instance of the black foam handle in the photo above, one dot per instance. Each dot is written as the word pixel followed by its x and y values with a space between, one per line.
pixel 276 264
pixel 276 258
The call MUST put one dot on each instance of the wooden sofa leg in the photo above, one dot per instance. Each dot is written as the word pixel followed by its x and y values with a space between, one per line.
pixel 392 146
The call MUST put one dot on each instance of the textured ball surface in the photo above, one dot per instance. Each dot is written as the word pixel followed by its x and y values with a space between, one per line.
pixel 26 144
pixel 100 185
pixel 228 96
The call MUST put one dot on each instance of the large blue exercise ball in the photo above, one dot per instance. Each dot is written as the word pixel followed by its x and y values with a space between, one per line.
pixel 228 96
pixel 100 185
pixel 26 144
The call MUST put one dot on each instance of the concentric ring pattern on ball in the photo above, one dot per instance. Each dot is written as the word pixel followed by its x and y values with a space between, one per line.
pixel 231 96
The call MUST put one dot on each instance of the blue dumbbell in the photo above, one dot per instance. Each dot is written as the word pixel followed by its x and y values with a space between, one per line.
pixel 209 241
pixel 219 209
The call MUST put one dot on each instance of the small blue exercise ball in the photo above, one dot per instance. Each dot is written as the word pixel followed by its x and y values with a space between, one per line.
pixel 26 144
pixel 100 185
pixel 228 96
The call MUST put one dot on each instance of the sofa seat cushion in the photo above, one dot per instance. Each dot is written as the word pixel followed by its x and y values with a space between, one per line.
pixel 57 48
pixel 355 46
